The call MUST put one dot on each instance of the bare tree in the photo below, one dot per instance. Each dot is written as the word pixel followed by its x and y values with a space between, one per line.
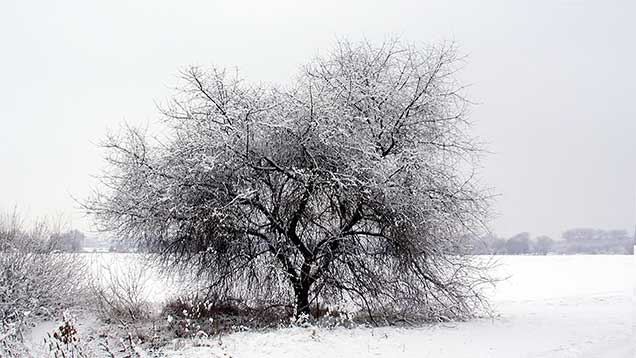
pixel 352 185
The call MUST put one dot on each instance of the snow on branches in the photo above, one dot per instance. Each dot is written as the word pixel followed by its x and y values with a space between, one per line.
pixel 350 185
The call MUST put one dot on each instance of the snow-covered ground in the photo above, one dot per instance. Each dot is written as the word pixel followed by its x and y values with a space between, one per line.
pixel 549 306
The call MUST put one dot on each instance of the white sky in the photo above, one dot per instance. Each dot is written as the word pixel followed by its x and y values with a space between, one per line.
pixel 555 80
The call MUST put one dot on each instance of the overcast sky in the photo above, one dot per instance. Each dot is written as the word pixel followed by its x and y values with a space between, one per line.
pixel 555 81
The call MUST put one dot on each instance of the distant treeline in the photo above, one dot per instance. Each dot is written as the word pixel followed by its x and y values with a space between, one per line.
pixel 43 236
pixel 574 241
pixel 95 244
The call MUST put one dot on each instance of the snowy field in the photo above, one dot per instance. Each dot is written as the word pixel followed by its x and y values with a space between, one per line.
pixel 549 306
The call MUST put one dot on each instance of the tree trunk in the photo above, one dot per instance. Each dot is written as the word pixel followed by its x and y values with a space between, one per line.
pixel 302 300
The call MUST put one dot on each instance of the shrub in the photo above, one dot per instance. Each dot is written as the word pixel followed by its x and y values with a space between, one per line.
pixel 193 314
pixel 121 295
pixel 35 282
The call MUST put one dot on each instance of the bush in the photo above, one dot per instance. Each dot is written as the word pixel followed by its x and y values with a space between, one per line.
pixel 35 282
pixel 39 284
pixel 121 295
pixel 11 338
pixel 193 314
